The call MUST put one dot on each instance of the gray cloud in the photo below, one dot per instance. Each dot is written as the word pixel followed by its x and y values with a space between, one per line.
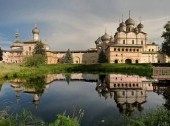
pixel 76 24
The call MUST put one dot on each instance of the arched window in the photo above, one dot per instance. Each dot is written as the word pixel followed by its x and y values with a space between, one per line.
pixel 29 48
pixel 141 42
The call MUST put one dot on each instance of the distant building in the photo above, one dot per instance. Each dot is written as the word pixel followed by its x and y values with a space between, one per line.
pixel 128 45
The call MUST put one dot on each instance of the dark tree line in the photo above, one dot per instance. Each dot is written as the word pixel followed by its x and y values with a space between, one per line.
pixel 1 53
pixel 166 42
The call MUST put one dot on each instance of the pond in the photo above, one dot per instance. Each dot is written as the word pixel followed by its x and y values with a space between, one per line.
pixel 105 99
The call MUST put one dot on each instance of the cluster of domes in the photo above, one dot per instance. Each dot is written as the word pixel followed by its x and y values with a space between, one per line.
pixel 129 25
pixel 103 38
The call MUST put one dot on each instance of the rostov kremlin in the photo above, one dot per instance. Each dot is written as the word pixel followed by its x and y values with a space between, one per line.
pixel 128 45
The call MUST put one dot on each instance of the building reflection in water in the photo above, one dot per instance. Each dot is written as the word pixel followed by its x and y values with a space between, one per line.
pixel 163 89
pixel 35 87
pixel 129 92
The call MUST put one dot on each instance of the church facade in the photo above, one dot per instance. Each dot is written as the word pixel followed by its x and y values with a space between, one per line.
pixel 128 45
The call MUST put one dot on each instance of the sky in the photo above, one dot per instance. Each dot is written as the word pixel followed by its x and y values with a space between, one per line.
pixel 76 24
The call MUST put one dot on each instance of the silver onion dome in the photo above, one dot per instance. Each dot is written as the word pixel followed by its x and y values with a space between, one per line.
pixel 105 37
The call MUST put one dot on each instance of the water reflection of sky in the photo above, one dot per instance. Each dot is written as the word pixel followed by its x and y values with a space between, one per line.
pixel 63 97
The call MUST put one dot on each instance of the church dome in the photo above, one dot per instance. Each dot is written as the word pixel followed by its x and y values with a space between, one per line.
pixel 36 30
pixel 17 42
pixel 130 21
pixel 122 24
pixel 105 37
pixel 98 40
pixel 140 25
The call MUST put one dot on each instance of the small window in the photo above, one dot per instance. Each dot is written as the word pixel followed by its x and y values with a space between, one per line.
pixel 29 48
pixel 126 49
pixel 118 49
pixel 122 49
pixel 152 50
pixel 114 49
pixel 123 93
pixel 141 42
pixel 133 42
pixel 137 50
pixel 132 93
pixel 123 41
pixel 134 50
pixel 149 50
pixel 130 50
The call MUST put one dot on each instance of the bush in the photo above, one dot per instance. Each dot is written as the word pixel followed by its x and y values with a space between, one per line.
pixel 159 117
pixel 34 61
pixel 63 120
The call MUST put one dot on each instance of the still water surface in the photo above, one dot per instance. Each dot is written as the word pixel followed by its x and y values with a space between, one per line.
pixel 104 98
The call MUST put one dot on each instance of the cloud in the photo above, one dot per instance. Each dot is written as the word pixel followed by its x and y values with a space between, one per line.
pixel 77 24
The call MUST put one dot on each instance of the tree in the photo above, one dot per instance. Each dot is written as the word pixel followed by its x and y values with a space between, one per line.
pixel 102 57
pixel 1 53
pixel 68 57
pixel 35 60
pixel 39 48
pixel 166 36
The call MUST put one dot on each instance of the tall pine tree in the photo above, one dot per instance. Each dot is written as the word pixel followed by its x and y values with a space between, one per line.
pixel 166 36
pixel 39 48
pixel 102 57
pixel 68 57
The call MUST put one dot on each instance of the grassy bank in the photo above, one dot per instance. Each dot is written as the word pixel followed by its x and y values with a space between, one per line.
pixel 18 71
pixel 158 117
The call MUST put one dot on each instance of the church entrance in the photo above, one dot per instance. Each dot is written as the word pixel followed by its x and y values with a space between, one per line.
pixel 116 61
pixel 128 61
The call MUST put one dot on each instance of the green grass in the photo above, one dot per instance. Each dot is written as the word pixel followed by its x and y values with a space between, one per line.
pixel 17 71
pixel 25 118
pixel 158 117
